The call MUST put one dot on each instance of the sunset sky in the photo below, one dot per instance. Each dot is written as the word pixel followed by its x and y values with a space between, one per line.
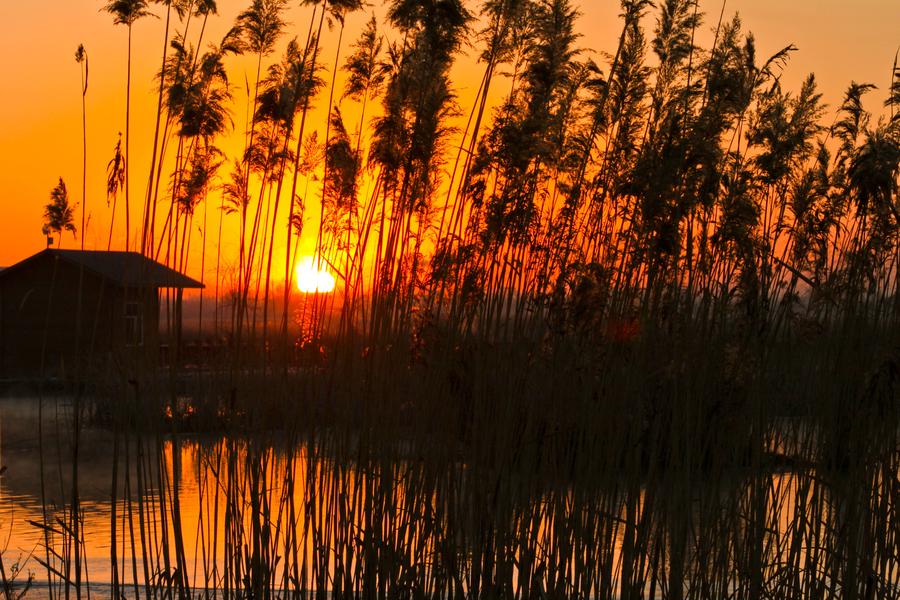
pixel 40 104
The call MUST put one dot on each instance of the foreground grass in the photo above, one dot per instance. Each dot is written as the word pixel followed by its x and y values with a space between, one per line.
pixel 669 463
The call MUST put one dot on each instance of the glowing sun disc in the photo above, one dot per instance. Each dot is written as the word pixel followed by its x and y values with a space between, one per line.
pixel 311 280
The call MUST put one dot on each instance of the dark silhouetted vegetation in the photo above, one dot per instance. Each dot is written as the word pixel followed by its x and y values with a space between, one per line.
pixel 630 331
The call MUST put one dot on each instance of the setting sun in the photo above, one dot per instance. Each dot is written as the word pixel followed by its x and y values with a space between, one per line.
pixel 310 279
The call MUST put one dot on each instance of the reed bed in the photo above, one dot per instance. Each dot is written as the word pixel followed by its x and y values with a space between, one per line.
pixel 623 474
pixel 637 340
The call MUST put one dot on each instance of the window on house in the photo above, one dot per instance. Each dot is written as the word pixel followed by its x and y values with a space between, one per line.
pixel 134 324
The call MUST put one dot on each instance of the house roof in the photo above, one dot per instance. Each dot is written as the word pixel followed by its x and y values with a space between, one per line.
pixel 128 269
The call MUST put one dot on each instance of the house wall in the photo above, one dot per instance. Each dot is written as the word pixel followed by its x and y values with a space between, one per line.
pixel 132 358
pixel 56 313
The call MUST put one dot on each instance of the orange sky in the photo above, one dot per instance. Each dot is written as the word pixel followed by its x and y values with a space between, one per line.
pixel 40 108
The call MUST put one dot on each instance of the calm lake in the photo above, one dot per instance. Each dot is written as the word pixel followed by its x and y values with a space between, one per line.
pixel 205 516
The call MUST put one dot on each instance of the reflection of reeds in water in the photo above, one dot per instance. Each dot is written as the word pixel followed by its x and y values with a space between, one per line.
pixel 645 479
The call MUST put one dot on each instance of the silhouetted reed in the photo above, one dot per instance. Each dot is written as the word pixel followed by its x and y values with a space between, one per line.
pixel 640 343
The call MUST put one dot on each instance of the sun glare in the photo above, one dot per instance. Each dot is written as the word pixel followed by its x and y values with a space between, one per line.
pixel 311 280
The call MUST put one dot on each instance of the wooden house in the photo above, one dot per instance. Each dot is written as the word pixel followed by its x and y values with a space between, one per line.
pixel 64 313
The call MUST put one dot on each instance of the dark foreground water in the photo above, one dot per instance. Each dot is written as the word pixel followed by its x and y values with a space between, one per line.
pixel 207 516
